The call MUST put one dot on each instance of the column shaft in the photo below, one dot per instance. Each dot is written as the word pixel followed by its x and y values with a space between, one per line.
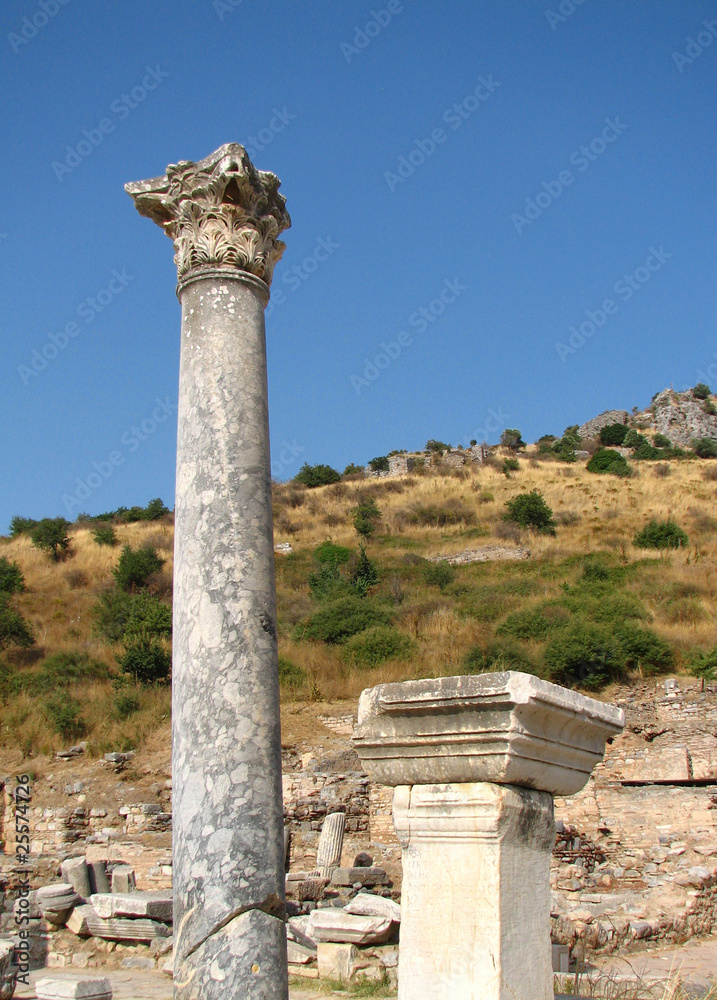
pixel 331 843
pixel 228 818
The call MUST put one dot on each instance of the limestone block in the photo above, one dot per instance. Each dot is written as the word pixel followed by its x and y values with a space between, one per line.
pixel 366 876
pixel 365 904
pixel 123 879
pixel 76 872
pixel 157 905
pixel 336 961
pixel 77 921
pixel 299 954
pixel 506 728
pixel 73 989
pixel 8 971
pixel 331 843
pixel 332 924
pixel 85 922
pixel 99 879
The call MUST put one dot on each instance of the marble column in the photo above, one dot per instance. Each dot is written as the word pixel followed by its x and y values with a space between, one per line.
pixel 331 844
pixel 475 762
pixel 224 217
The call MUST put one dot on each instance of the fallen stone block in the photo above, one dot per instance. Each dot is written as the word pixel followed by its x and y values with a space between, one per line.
pixel 85 923
pixel 76 872
pixel 99 880
pixel 364 876
pixel 73 989
pixel 157 905
pixel 8 971
pixel 123 879
pixel 299 954
pixel 338 926
pixel 303 971
pixel 336 961
pixel 365 904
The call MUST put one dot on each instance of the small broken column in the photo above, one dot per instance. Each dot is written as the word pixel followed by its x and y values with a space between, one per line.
pixel 331 843
pixel 475 762
pixel 225 218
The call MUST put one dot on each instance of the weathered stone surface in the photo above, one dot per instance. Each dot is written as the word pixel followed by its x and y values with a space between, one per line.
pixel 299 954
pixel 592 428
pixel 364 876
pixel 99 880
pixel 84 922
pixel 330 844
pixel 8 971
pixel 225 218
pixel 156 905
pixel 476 892
pixel 509 728
pixel 77 874
pixel 337 961
pixel 123 879
pixel 365 904
pixel 333 924
pixel 71 989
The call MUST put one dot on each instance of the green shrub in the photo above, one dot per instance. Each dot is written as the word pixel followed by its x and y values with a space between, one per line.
pixel 11 579
pixel 328 584
pixel 51 534
pixel 545 443
pixel 146 660
pixel 376 645
pixel 439 516
pixel 584 654
pixel 21 525
pixel 366 517
pixel 605 460
pixel 512 438
pixel 633 439
pixel 644 650
pixel 14 630
pixel 364 575
pixel 316 475
pixel 593 571
pixel 439 574
pixel 612 435
pixel 661 441
pixel 119 615
pixel 436 446
pixel 379 464
pixel 291 676
pixel 497 657
pixel 155 509
pixel 703 663
pixel 105 535
pixel 510 465
pixel 126 703
pixel 705 447
pixel 354 470
pixel 64 715
pixel 646 452
pixel 660 535
pixel 533 623
pixel 135 567
pixel 72 666
pixel 333 555
pixel 530 510
pixel 339 620
pixel 701 391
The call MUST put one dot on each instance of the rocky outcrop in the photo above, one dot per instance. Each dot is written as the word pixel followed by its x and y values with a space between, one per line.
pixel 680 417
pixel 592 428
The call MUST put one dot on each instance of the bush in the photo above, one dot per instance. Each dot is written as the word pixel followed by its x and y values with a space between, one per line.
pixel 510 465
pixel 316 475
pixel 376 645
pixel 21 525
pixel 512 438
pixel 530 510
pixel 64 714
pixel 11 579
pixel 661 535
pixel 119 615
pixel 366 517
pixel 436 446
pixel 644 650
pixel 605 460
pixel 498 656
pixel 584 654
pixel 530 624
pixel 333 555
pixel 105 535
pixel 51 534
pixel 291 676
pixel 146 660
pixel 135 567
pixel 595 571
pixel 661 441
pixel 339 620
pixel 433 515
pixel 701 391
pixel 439 574
pixel 703 663
pixel 613 434
pixel 126 703
pixel 14 630
pixel 633 439
pixel 379 464
pixel 365 574
pixel 705 447
pixel 155 509
pixel 63 669
pixel 354 470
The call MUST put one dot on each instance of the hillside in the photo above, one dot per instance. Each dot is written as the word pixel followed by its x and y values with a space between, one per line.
pixel 585 607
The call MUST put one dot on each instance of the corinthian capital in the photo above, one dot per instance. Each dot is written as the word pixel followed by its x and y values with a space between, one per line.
pixel 220 212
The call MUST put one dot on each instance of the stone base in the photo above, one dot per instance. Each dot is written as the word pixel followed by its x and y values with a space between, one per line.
pixel 476 892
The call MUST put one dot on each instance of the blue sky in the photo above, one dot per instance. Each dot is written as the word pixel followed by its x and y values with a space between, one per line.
pixel 467 182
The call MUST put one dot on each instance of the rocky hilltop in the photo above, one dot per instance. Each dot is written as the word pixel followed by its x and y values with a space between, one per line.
pixel 680 416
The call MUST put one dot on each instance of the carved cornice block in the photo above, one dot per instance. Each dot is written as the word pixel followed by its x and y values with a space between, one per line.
pixel 220 212
pixel 508 728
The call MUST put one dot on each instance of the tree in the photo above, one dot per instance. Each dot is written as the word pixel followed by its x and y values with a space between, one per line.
pixel 511 438
pixel 21 525
pixel 705 447
pixel 365 574
pixel 366 517
pixel 613 434
pixel 354 470
pixel 11 579
pixel 316 475
pixel 661 535
pixel 14 630
pixel 530 510
pixel 135 567
pixel 379 464
pixel 155 509
pixel 605 460
pixel 51 534
pixel 701 391
pixel 146 660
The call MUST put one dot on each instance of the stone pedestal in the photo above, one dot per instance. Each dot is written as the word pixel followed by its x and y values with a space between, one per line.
pixel 224 217
pixel 476 762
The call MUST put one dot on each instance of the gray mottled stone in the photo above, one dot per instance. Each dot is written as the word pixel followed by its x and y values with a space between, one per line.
pixel 77 874
pixel 123 879
pixel 99 879
pixel 330 844
pixel 73 989
pixel 156 905
pixel 8 971
pixel 224 218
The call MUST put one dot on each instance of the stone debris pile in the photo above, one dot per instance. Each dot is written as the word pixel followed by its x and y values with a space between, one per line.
pixel 73 989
